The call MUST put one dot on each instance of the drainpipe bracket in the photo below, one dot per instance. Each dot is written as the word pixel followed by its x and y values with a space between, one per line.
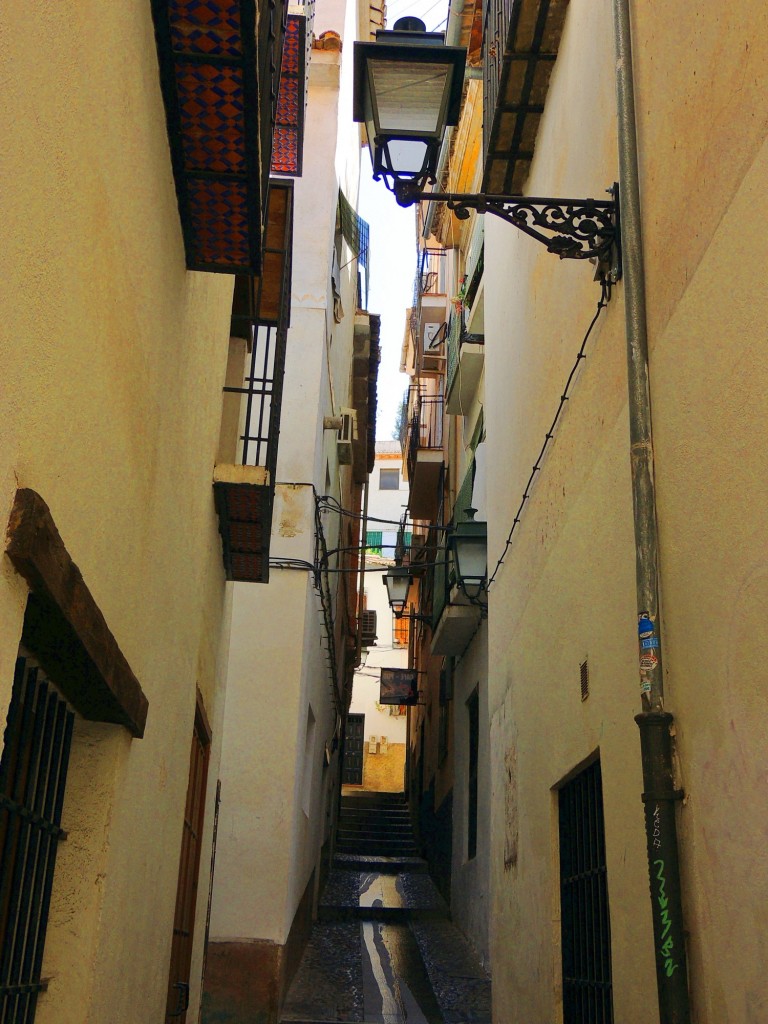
pixel 671 794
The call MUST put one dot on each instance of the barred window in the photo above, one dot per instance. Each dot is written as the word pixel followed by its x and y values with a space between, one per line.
pixel 585 925
pixel 33 773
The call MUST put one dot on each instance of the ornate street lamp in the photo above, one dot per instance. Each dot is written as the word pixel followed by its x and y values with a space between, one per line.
pixel 469 545
pixel 407 90
pixel 398 581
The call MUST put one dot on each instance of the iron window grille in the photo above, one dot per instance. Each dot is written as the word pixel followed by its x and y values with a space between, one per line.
pixel 585 923
pixel 33 772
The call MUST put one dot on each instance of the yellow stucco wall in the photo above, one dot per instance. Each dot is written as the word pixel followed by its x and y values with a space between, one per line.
pixel 111 367
pixel 383 773
pixel 567 589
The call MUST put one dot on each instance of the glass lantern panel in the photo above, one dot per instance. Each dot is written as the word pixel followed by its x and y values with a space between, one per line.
pixel 406 155
pixel 410 97
pixel 471 556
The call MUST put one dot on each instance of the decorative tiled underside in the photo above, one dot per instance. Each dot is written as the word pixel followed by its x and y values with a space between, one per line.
pixel 244 524
pixel 219 219
pixel 208 56
pixel 212 117
pixel 206 26
pixel 287 133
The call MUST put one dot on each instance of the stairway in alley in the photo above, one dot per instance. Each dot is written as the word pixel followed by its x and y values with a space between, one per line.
pixel 383 950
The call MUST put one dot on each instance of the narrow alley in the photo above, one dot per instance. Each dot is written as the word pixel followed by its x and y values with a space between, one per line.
pixel 383 949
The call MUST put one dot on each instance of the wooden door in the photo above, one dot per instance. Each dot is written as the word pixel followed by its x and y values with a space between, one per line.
pixel 352 774
pixel 189 869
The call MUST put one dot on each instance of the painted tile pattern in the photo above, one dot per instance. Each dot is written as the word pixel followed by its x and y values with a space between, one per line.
pixel 288 133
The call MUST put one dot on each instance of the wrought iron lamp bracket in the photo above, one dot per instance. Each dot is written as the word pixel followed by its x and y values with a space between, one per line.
pixel 574 229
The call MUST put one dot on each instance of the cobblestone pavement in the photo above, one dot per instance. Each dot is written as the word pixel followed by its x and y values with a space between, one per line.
pixel 384 951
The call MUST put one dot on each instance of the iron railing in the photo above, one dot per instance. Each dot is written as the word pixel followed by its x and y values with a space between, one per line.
pixel 474 261
pixel 455 336
pixel 585 923
pixel 425 429
pixel 431 278
pixel 261 315
pixel 262 398
pixel 33 772
pixel 497 17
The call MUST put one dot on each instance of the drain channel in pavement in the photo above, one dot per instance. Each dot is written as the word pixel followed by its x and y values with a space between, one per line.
pixel 396 988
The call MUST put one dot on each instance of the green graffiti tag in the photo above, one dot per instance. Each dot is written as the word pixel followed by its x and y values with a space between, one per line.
pixel 667 943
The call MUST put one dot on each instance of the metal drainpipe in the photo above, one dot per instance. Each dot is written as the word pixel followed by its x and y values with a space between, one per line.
pixel 654 721
pixel 363 554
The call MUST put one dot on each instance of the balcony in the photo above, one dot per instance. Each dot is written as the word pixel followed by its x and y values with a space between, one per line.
pixel 466 357
pixel 454 618
pixel 426 320
pixel 424 453
pixel 244 474
pixel 474 300
pixel 219 71
pixel 365 371
pixel 520 47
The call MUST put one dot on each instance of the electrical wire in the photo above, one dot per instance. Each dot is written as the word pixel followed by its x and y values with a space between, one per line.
pixel 605 298
pixel 330 503
pixel 323 588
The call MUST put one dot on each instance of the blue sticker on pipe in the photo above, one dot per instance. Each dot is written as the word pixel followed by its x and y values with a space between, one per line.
pixel 649 641
pixel 645 626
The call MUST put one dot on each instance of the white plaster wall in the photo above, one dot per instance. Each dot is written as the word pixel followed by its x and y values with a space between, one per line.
pixel 384 505
pixel 276 788
pixel 365 692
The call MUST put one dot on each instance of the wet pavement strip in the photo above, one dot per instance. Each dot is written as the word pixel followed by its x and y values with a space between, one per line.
pixel 394 959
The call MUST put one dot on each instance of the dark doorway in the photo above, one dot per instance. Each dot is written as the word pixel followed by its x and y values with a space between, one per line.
pixel 352 775
pixel 473 714
pixel 189 868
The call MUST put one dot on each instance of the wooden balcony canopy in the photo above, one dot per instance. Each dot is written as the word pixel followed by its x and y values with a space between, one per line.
pixel 521 44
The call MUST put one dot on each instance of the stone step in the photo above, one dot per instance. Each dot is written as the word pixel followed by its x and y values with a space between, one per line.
pixel 374 799
pixel 378 849
pixel 391 915
pixel 375 828
pixel 375 862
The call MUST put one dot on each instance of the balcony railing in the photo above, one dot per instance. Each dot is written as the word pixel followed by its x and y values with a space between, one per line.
pixel 244 476
pixel 262 394
pixel 455 334
pixel 475 261
pixel 426 428
pixel 431 273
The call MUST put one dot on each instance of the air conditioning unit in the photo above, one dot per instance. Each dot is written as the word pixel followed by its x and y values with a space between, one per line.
pixel 368 629
pixel 347 434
